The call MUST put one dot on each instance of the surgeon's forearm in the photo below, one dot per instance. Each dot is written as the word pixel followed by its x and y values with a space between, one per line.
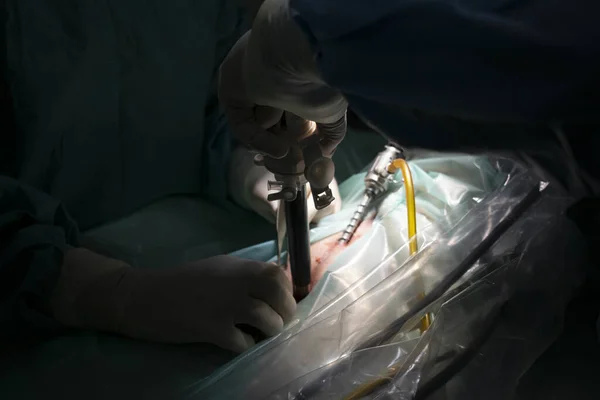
pixel 87 294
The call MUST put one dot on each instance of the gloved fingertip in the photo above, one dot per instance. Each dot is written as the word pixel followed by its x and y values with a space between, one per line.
pixel 267 117
pixel 332 135
pixel 286 308
pixel 328 146
pixel 248 340
pixel 274 150
pixel 270 144
pixel 280 275
pixel 290 310
pixel 240 342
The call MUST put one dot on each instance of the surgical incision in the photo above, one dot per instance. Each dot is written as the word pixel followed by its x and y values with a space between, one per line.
pixel 325 251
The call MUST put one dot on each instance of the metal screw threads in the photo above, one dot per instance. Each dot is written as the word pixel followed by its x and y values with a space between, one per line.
pixel 377 180
pixel 358 217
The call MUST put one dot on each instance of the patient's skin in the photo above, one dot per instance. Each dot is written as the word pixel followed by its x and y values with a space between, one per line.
pixel 324 252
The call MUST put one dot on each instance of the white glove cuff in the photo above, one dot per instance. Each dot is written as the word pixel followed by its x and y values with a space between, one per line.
pixel 248 188
pixel 248 184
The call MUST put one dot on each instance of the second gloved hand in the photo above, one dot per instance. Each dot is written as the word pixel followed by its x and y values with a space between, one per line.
pixel 272 69
pixel 206 301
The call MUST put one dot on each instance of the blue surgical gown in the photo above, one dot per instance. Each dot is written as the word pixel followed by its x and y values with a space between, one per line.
pixel 107 106
pixel 465 74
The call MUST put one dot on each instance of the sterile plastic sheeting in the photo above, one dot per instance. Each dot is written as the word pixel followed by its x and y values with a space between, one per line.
pixel 537 258
pixel 445 187
pixel 540 274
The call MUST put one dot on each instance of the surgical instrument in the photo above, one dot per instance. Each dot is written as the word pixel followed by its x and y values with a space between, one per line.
pixel 303 164
pixel 376 183
pixel 298 243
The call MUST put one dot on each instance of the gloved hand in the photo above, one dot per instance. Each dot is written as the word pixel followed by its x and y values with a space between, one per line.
pixel 248 183
pixel 271 69
pixel 248 188
pixel 204 301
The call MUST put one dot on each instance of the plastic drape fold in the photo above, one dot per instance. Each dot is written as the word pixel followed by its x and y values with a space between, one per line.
pixel 496 277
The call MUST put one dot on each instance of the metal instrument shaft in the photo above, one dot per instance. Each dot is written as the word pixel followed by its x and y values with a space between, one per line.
pixel 358 217
pixel 298 243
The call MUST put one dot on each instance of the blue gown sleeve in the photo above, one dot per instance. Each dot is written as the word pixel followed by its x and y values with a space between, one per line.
pixel 451 63
pixel 34 232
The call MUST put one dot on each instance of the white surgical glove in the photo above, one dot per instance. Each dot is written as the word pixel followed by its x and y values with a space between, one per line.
pixel 248 188
pixel 272 69
pixel 203 302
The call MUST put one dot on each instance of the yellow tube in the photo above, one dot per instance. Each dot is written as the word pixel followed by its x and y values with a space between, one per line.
pixel 409 187
pixel 402 165
pixel 369 387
